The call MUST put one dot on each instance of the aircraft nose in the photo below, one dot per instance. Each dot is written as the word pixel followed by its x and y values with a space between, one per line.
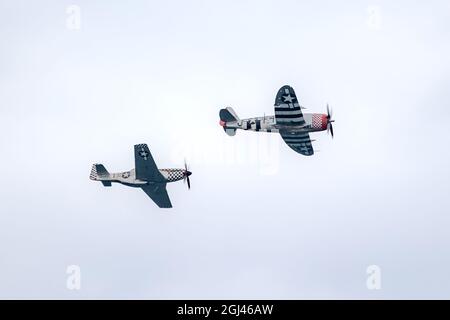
pixel 188 173
pixel 324 122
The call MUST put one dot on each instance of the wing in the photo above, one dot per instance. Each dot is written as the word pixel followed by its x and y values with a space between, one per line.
pixel 299 142
pixel 145 166
pixel 158 193
pixel 287 110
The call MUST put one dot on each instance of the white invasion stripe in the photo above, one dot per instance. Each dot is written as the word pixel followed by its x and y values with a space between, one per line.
pixel 290 120
pixel 299 135
pixel 296 138
pixel 289 116
pixel 277 113
pixel 298 141
pixel 288 105
pixel 303 145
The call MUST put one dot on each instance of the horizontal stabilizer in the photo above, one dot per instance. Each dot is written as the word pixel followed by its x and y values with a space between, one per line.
pixel 229 131
pixel 228 115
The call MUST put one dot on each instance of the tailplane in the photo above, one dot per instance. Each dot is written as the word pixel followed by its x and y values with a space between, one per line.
pixel 228 115
pixel 99 173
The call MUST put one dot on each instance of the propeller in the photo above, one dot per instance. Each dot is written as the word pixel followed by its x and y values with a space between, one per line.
pixel 187 173
pixel 330 121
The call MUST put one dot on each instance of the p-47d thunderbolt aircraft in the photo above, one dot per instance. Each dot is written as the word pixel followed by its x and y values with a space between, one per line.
pixel 145 175
pixel 293 126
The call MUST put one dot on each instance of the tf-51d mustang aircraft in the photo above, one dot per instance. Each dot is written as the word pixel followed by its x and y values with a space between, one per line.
pixel 293 126
pixel 145 175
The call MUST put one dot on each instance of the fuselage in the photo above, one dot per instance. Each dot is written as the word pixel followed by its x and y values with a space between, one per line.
pixel 128 178
pixel 313 122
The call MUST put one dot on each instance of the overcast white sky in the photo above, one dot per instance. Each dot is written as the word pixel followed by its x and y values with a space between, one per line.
pixel 260 221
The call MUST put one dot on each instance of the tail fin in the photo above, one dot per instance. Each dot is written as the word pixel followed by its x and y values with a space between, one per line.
pixel 98 173
pixel 228 115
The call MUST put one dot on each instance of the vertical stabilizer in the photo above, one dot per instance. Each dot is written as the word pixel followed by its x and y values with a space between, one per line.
pixel 228 115
pixel 99 173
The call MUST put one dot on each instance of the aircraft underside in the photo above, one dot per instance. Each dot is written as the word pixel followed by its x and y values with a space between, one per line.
pixel 289 121
pixel 145 175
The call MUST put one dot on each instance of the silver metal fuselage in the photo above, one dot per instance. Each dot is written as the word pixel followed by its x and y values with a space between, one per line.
pixel 268 124
pixel 128 178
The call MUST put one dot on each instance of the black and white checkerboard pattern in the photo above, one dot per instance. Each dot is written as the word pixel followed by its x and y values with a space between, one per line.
pixel 93 175
pixel 174 174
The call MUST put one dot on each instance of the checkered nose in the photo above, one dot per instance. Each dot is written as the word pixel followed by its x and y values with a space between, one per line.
pixel 319 121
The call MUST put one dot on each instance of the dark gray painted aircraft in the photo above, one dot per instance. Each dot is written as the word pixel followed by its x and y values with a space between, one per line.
pixel 145 175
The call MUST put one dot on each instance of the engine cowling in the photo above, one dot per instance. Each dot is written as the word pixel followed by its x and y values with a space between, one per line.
pixel 319 121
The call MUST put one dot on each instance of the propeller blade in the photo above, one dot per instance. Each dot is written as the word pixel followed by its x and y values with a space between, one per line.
pixel 329 125
pixel 187 173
